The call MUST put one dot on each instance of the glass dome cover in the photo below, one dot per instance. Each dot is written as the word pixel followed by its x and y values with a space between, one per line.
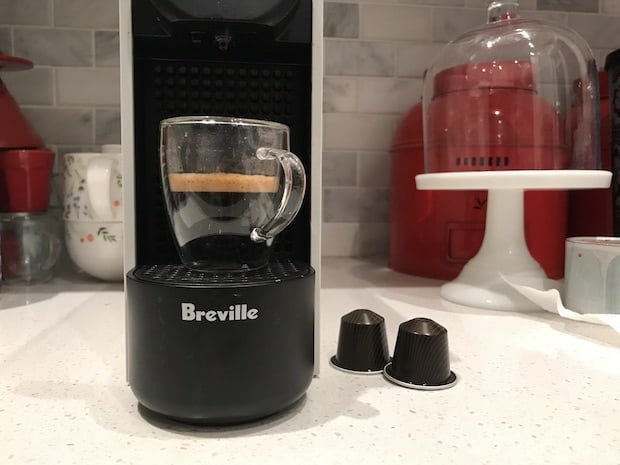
pixel 514 94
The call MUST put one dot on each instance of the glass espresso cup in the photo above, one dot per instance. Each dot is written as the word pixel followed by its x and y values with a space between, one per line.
pixel 230 186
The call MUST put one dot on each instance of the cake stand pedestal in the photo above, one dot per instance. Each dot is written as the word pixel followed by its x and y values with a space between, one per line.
pixel 504 253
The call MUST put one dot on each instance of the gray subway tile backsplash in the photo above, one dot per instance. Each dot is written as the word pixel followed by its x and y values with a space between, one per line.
pixel 395 22
pixel 585 6
pixel 339 95
pixel 374 205
pixel 434 2
pixel 31 87
pixel 341 205
pixel 26 12
pixel 54 47
pixel 92 14
pixel 62 126
pixel 341 20
pixel 339 169
pixel 373 239
pixel 358 58
pixel 373 169
pixel 375 54
pixel 559 18
pixel 599 31
pixel 387 95
pixel 6 43
pixel 610 7
pixel 87 86
pixel 355 204
pixel 523 4
pixel 107 126
pixel 449 23
pixel 352 131
pixel 106 48
pixel 413 57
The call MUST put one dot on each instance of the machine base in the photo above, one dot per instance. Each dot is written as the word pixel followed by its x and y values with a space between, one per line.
pixel 220 349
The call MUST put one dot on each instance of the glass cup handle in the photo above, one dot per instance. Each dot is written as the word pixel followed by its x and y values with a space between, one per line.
pixel 292 197
pixel 98 182
pixel 54 250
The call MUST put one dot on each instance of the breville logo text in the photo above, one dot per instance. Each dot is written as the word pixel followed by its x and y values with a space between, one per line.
pixel 238 312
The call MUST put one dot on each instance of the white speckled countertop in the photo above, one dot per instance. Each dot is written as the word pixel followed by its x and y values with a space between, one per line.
pixel 533 388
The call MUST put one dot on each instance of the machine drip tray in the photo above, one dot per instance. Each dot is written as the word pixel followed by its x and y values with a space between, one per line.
pixel 276 270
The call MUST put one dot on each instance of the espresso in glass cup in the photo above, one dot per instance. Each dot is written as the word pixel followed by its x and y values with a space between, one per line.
pixel 230 186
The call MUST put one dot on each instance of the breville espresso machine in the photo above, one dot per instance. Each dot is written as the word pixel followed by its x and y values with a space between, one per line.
pixel 218 346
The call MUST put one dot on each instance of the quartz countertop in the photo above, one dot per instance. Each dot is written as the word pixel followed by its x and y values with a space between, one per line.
pixel 532 389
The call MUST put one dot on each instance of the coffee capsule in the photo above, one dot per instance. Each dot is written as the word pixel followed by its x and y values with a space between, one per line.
pixel 362 343
pixel 421 356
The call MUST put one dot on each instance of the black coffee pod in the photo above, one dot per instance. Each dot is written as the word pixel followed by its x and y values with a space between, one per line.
pixel 362 343
pixel 421 356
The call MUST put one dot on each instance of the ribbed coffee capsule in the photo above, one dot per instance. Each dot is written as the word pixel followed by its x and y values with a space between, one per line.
pixel 421 356
pixel 362 343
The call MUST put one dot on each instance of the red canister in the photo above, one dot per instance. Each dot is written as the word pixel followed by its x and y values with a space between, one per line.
pixel 25 178
pixel 432 233
pixel 489 117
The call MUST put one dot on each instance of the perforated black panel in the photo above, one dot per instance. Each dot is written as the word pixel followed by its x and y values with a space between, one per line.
pixel 265 91
pixel 178 275
pixel 269 91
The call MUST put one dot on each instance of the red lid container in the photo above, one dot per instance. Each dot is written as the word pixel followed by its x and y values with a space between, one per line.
pixel 25 177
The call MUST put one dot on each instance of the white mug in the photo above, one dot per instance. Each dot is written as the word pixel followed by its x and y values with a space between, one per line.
pixel 592 274
pixel 96 247
pixel 92 187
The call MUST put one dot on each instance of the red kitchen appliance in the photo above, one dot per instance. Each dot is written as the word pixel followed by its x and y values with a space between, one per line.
pixel 432 233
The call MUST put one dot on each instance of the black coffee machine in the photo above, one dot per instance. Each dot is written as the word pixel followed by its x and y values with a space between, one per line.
pixel 260 60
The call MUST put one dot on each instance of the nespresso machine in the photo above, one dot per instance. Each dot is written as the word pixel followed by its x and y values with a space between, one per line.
pixel 234 58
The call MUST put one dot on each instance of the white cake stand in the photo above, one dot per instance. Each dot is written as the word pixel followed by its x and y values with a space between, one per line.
pixel 504 253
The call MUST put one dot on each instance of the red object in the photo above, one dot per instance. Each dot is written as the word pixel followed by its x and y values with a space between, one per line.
pixel 15 130
pixel 434 233
pixel 487 117
pixel 590 211
pixel 11 63
pixel 25 177
pixel 25 166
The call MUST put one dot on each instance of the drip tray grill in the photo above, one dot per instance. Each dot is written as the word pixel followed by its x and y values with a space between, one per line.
pixel 179 275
